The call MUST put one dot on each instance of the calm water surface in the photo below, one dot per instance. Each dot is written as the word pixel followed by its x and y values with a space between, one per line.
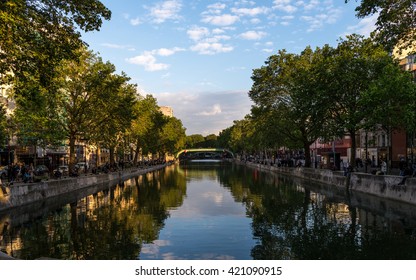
pixel 211 211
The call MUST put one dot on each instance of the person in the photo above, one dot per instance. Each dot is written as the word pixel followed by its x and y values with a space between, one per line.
pixel 414 169
pixel 343 167
pixel 402 167
pixel 383 167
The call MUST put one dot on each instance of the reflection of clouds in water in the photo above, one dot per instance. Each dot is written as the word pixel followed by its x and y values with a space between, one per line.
pixel 170 256
pixel 208 199
pixel 208 256
pixel 152 249
pixel 218 198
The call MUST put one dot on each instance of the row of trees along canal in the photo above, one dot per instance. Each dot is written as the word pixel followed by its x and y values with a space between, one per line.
pixel 325 93
pixel 64 92
pixel 88 101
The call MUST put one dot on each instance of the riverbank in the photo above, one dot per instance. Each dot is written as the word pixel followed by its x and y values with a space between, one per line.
pixel 21 194
pixel 386 186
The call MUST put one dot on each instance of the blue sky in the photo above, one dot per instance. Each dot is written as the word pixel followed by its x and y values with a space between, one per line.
pixel 197 56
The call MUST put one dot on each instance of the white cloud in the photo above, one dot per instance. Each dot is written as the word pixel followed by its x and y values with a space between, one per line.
pixel 311 5
pixel 285 6
pixel 117 46
pixel 167 10
pixel 220 20
pixel 250 11
pixel 218 31
pixel 196 33
pixel 288 17
pixel 216 7
pixel 364 27
pixel 207 42
pixel 245 3
pixel 135 21
pixel 255 21
pixel 148 60
pixel 215 110
pixel 167 52
pixel 253 35
pixel 211 48
pixel 317 21
pixel 219 109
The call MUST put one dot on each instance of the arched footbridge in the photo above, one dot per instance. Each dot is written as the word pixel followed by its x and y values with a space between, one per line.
pixel 205 153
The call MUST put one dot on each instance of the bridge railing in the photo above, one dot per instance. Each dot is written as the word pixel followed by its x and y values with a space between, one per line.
pixel 200 150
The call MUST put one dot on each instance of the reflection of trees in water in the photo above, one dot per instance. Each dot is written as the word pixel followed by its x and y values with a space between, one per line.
pixel 291 222
pixel 111 224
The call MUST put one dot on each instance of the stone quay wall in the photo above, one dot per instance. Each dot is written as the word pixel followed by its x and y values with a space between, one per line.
pixel 385 186
pixel 20 194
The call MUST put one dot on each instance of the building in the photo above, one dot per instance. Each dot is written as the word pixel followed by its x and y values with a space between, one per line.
pixel 7 150
pixel 407 61
pixel 167 111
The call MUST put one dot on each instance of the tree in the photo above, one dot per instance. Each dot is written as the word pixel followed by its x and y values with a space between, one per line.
pixel 396 21
pixel 210 141
pixel 224 138
pixel 4 133
pixel 353 70
pixel 89 92
pixel 392 96
pixel 173 136
pixel 36 35
pixel 37 123
pixel 241 135
pixel 146 127
pixel 114 115
pixel 288 101
pixel 194 141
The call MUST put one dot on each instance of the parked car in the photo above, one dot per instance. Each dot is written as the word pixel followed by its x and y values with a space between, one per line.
pixel 41 172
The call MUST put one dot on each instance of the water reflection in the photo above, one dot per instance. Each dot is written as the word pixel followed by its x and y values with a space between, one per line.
pixel 208 225
pixel 220 211
pixel 109 224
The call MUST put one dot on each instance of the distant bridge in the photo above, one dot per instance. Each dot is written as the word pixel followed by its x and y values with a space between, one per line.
pixel 205 152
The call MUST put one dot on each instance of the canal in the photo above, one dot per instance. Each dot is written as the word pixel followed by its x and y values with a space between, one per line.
pixel 212 211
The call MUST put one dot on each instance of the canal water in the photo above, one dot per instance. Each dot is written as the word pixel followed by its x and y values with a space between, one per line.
pixel 211 211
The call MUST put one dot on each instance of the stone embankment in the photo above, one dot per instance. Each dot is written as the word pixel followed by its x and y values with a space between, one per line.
pixel 386 186
pixel 21 194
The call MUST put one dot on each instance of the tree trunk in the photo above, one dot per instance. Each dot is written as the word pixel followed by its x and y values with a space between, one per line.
pixel 136 152
pixel 306 147
pixel 72 151
pixel 112 157
pixel 353 149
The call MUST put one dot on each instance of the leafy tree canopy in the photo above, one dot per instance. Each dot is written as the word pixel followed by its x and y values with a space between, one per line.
pixel 396 21
pixel 35 35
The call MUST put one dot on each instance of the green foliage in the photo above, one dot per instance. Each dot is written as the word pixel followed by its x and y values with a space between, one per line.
pixel 289 108
pixel 93 102
pixel 392 97
pixel 325 93
pixel 396 21
pixel 35 119
pixel 35 36
pixel 194 141
pixel 153 132
pixel 4 133
pixel 199 141
pixel 172 136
